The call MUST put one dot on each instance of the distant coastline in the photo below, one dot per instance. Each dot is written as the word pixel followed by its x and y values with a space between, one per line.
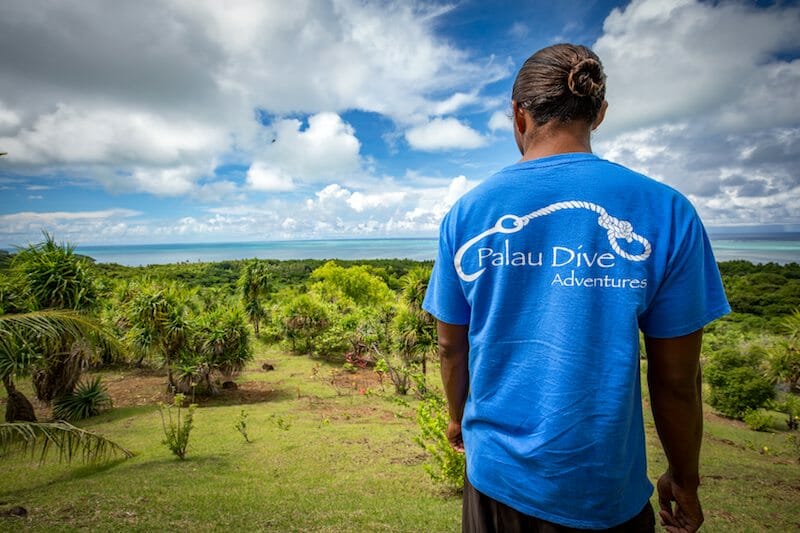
pixel 419 249
pixel 756 247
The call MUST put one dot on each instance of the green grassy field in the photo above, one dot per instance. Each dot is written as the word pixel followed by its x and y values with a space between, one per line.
pixel 347 462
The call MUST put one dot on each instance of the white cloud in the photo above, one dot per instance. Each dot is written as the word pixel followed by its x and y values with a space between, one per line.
pixel 105 99
pixel 84 135
pixel 455 102
pixel 411 209
pixel 327 148
pixel 361 202
pixel 72 226
pixel 263 177
pixel 670 61
pixel 444 134
pixel 702 97
pixel 500 121
pixel 25 217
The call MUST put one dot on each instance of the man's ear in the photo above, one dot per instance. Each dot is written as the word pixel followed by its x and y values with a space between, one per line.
pixel 600 116
pixel 520 124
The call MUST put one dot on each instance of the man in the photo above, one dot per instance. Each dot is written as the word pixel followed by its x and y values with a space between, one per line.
pixel 545 275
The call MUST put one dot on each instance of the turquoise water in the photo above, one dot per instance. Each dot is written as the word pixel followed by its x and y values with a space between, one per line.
pixel 148 254
pixel 755 248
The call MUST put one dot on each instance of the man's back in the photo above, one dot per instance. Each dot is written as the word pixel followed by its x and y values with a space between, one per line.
pixel 560 260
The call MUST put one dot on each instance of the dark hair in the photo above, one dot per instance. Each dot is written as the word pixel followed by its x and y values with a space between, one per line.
pixel 562 82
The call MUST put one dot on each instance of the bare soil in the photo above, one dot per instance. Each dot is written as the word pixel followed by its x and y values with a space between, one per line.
pixel 138 387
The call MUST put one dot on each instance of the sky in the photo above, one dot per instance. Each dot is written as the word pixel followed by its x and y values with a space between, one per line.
pixel 163 121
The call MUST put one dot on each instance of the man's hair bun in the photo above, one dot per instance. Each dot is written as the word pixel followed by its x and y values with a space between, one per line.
pixel 587 79
pixel 563 82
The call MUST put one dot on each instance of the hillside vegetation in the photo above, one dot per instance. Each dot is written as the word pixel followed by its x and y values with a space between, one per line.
pixel 318 397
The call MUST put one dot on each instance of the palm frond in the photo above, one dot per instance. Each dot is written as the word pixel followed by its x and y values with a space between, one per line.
pixel 53 326
pixel 70 442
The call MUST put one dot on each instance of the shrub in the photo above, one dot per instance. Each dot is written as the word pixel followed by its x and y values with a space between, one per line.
pixel 304 318
pixel 176 432
pixel 446 466
pixel 736 385
pixel 790 405
pixel 758 420
pixel 88 399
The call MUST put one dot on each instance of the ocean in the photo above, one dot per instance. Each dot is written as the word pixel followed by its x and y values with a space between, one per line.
pixel 758 248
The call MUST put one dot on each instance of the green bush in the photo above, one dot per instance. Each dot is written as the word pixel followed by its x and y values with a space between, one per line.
pixel 736 384
pixel 446 466
pixel 87 399
pixel 758 420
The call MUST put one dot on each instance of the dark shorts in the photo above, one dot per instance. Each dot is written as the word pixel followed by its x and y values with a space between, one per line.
pixel 482 514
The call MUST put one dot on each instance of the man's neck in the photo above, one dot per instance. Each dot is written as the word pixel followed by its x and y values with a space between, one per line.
pixel 555 138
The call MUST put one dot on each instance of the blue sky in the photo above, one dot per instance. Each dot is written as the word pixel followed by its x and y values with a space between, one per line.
pixel 205 121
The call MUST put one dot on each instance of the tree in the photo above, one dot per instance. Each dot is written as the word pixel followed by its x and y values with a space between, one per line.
pixel 783 359
pixel 415 328
pixel 356 283
pixel 160 323
pixel 254 284
pixel 49 275
pixel 304 317
pixel 220 343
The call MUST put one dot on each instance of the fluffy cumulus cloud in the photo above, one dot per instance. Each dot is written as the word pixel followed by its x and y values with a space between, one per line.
pixel 444 134
pixel 251 116
pixel 331 211
pixel 263 177
pixel 703 97
pixel 177 90
pixel 326 148
pixel 393 211
pixel 683 59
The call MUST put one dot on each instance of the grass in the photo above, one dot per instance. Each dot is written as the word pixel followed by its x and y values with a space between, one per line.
pixel 347 462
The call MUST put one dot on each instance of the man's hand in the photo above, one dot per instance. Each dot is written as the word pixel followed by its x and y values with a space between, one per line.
pixel 686 515
pixel 454 436
pixel 673 374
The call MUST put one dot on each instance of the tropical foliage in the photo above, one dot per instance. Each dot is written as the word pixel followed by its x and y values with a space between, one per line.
pixel 88 399
pixel 69 442
pixel 254 285
pixel 51 276
pixel 26 341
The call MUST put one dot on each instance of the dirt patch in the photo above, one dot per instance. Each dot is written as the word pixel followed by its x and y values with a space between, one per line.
pixel 246 393
pixel 149 388
pixel 134 388
pixel 359 381
pixel 138 387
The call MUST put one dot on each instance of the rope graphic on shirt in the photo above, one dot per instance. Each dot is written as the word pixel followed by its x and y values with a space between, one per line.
pixel 616 229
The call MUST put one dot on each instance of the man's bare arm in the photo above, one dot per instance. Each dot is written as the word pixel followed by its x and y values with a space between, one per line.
pixel 675 383
pixel 454 356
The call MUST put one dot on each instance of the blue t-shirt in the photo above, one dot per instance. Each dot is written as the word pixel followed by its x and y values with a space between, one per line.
pixel 556 264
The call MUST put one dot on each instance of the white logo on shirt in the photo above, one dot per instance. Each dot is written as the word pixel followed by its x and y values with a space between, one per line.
pixel 615 228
